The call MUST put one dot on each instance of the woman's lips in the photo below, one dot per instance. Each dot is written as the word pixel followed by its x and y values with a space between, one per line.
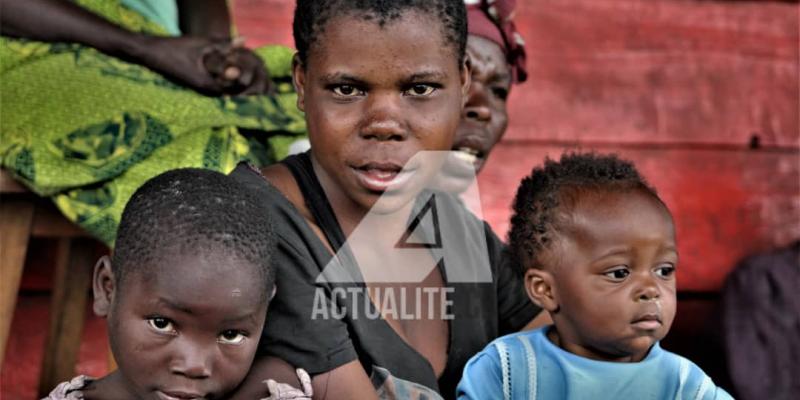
pixel 377 177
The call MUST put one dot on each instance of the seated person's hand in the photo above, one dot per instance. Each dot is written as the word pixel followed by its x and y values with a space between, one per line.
pixel 283 391
pixel 210 66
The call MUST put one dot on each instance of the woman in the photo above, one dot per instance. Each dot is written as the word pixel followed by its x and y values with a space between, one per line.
pixel 101 95
pixel 370 114
pixel 497 53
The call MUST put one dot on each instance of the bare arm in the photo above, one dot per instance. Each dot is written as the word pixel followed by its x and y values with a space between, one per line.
pixel 205 61
pixel 64 21
pixel 348 381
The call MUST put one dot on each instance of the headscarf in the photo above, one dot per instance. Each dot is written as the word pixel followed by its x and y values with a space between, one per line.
pixel 494 20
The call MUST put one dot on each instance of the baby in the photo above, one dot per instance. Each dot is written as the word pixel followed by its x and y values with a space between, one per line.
pixel 186 292
pixel 597 250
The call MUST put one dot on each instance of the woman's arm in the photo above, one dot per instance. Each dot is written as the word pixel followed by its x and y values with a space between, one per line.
pixel 211 64
pixel 348 381
pixel 64 21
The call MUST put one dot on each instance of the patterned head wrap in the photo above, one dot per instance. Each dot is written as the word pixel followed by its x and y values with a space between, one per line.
pixel 494 20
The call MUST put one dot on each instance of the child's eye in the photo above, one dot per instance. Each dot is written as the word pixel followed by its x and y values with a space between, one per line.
pixel 347 91
pixel 665 270
pixel 161 324
pixel 420 90
pixel 617 274
pixel 232 337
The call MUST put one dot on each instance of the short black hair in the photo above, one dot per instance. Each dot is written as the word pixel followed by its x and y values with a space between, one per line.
pixel 311 17
pixel 556 186
pixel 190 211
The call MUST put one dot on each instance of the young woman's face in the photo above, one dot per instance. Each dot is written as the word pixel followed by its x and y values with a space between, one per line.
pixel 189 331
pixel 375 96
pixel 615 278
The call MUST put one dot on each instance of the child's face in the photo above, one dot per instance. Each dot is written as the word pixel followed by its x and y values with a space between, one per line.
pixel 190 330
pixel 614 276
pixel 374 96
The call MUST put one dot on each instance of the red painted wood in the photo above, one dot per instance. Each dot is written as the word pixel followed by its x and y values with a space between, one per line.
pixel 23 361
pixel 658 71
pixel 726 204
pixel 636 70
pixel 264 22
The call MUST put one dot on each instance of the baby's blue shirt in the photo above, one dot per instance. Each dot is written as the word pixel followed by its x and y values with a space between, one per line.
pixel 526 365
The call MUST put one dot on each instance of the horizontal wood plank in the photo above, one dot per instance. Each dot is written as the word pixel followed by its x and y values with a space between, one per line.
pixel 659 71
pixel 264 22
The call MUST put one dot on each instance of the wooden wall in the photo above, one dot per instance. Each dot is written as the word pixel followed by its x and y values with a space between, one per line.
pixel 702 95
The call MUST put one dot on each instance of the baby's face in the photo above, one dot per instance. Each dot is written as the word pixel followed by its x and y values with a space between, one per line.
pixel 190 330
pixel 615 276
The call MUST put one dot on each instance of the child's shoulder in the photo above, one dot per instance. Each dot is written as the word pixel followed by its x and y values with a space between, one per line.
pixel 526 362
pixel 522 339
pixel 692 380
pixel 501 353
pixel 489 374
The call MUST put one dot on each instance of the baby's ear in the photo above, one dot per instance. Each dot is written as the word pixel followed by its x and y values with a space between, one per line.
pixel 540 288
pixel 103 286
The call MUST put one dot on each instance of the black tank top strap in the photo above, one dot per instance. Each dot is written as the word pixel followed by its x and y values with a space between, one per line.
pixel 315 199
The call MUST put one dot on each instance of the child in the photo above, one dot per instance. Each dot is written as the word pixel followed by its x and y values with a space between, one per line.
pixel 186 292
pixel 379 81
pixel 597 250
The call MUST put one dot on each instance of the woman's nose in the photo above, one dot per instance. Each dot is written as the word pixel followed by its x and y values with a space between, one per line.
pixel 477 107
pixel 383 128
pixel 383 119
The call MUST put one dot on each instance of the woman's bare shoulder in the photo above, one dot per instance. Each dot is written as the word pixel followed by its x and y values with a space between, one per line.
pixel 279 176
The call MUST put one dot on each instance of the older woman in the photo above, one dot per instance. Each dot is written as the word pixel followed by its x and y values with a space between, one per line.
pixel 498 60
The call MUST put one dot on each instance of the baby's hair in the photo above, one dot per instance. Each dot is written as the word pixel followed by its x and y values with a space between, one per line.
pixel 193 211
pixel 311 17
pixel 554 189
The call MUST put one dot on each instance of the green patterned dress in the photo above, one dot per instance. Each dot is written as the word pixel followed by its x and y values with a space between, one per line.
pixel 86 129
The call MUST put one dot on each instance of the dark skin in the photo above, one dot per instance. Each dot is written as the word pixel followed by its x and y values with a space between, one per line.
pixel 406 96
pixel 372 111
pixel 485 116
pixel 204 59
pixel 189 330
pixel 608 278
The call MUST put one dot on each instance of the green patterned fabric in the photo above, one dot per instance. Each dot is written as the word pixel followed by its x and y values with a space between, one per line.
pixel 87 130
